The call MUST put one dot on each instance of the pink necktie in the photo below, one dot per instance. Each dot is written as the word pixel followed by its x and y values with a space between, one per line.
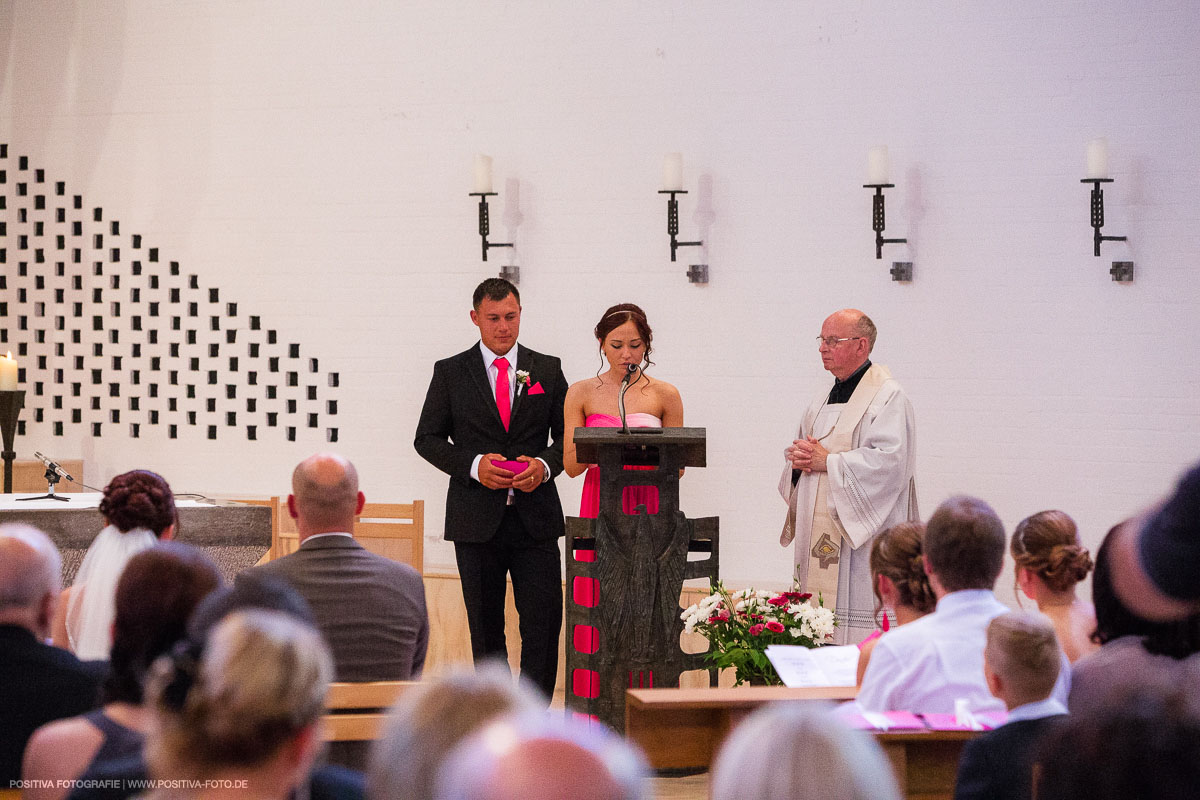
pixel 503 403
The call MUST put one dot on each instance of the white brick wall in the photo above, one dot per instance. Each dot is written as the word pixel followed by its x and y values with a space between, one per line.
pixel 312 161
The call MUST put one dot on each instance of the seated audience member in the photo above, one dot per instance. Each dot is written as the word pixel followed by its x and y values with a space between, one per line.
pixel 899 581
pixel 241 711
pixel 540 757
pixel 792 751
pixel 1021 664
pixel 38 683
pixel 1157 556
pixel 928 664
pixel 156 594
pixel 430 719
pixel 1050 561
pixel 139 511
pixel 370 609
pixel 1140 742
pixel 1131 648
pixel 121 779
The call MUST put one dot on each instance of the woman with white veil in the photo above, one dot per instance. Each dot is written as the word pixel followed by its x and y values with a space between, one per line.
pixel 138 510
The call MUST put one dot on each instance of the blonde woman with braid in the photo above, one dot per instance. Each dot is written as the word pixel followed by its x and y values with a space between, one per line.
pixel 239 716
pixel 899 581
pixel 1050 562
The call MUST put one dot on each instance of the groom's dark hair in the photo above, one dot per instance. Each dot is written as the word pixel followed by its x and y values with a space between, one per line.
pixel 494 289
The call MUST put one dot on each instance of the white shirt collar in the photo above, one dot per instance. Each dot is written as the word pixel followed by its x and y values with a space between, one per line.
pixel 965 599
pixel 329 533
pixel 489 356
pixel 1036 710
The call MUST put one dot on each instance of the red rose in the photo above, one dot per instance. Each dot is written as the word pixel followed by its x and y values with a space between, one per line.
pixel 781 600
pixel 774 627
pixel 755 630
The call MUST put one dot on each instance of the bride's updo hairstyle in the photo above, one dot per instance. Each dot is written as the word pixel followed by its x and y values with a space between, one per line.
pixel 618 315
pixel 1047 544
pixel 256 683
pixel 897 553
pixel 139 499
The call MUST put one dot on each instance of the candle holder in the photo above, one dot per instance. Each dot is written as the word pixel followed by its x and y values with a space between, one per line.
pixel 11 403
pixel 673 221
pixel 878 217
pixel 1098 215
pixel 484 224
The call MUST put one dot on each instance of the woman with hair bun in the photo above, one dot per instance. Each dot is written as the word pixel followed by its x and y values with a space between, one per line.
pixel 139 510
pixel 899 581
pixel 625 341
pixel 1050 561
pixel 240 714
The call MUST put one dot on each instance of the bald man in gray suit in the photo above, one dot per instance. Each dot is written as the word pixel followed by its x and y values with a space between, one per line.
pixel 370 609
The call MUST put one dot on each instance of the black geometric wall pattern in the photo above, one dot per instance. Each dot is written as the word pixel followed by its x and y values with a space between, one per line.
pixel 115 338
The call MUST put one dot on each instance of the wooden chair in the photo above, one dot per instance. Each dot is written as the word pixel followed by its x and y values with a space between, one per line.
pixel 356 711
pixel 394 530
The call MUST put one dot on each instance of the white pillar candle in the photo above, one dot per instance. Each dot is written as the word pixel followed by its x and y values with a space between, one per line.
pixel 1097 158
pixel 673 172
pixel 483 173
pixel 8 374
pixel 877 164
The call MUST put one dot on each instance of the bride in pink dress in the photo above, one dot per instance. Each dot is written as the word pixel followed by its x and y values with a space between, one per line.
pixel 625 338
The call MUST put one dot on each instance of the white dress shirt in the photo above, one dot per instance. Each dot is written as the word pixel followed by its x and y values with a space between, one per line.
pixel 493 372
pixel 929 663
pixel 926 665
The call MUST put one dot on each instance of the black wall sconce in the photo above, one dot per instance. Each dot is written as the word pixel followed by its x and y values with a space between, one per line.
pixel 1097 171
pixel 877 170
pixel 673 185
pixel 483 190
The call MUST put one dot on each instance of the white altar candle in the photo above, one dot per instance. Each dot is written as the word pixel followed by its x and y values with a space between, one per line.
pixel 483 173
pixel 877 164
pixel 673 172
pixel 1097 158
pixel 8 374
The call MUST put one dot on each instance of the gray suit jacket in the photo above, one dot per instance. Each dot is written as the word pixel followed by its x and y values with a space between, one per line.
pixel 370 609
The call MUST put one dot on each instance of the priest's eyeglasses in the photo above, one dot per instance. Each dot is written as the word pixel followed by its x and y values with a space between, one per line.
pixel 834 341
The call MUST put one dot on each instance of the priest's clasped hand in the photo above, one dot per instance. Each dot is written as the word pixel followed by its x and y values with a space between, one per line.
pixel 807 455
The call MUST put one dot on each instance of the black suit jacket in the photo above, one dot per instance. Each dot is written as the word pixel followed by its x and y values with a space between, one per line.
pixel 999 764
pixel 370 609
pixel 459 421
pixel 38 684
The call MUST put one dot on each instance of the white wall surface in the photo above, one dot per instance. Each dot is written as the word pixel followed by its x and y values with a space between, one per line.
pixel 312 161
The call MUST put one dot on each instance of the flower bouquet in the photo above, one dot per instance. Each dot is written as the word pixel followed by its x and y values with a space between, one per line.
pixel 740 625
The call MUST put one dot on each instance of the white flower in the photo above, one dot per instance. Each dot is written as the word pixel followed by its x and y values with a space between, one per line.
pixel 522 377
pixel 795 632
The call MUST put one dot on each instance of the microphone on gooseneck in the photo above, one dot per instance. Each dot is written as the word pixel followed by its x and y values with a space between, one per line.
pixel 629 370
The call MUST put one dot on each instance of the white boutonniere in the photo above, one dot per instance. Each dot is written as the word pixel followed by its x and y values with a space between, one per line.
pixel 522 379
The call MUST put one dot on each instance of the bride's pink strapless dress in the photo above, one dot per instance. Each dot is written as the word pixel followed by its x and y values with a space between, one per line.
pixel 586 591
pixel 633 496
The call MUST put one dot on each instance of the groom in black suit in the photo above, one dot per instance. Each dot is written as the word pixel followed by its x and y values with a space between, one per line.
pixel 501 402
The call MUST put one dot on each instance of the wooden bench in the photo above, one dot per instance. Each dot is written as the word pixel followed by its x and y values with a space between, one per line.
pixel 356 711
pixel 684 729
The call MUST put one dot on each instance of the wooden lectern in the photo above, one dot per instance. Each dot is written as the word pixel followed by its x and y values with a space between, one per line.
pixel 629 636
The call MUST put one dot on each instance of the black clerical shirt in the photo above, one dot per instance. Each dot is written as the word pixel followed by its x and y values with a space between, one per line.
pixel 840 393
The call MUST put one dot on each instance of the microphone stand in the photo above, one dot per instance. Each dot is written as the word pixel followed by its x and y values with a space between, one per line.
pixel 632 368
pixel 52 478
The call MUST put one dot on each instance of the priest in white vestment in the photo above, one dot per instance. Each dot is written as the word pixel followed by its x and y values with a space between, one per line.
pixel 849 474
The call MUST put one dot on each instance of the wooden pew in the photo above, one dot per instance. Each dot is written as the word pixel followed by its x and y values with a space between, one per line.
pixel 356 711
pixel 684 729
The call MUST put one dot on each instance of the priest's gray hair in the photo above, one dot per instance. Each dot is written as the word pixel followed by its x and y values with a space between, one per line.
pixel 866 328
pixel 794 751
